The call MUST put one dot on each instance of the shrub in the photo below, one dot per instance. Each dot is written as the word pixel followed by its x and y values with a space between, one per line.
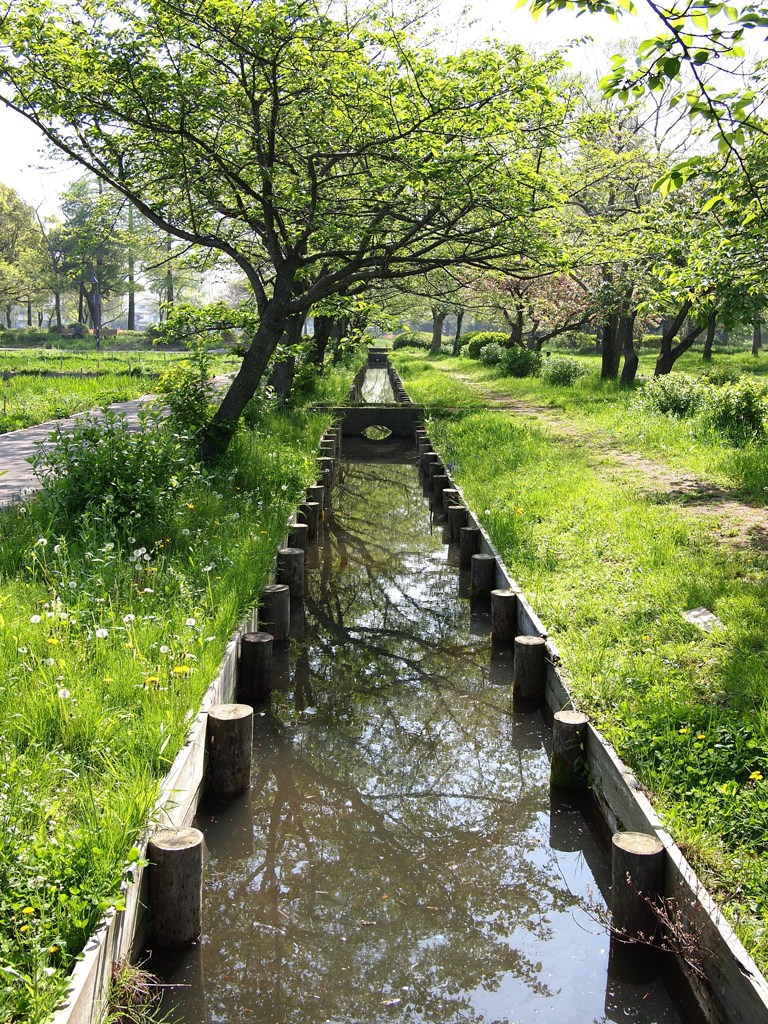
pixel 520 362
pixel 466 337
pixel 737 409
pixel 677 394
pixel 188 391
pixel 651 341
pixel 413 339
pixel 490 354
pixel 562 370
pixel 480 339
pixel 103 472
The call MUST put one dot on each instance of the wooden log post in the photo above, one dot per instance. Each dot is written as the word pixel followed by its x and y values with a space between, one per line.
pixel 457 517
pixel 290 570
pixel 317 493
pixel 254 670
pixel 437 484
pixel 327 466
pixel 435 468
pixel 469 544
pixel 230 748
pixel 275 615
pixel 637 872
pixel 482 574
pixel 298 536
pixel 530 669
pixel 426 459
pixel 176 886
pixel 328 449
pixel 309 513
pixel 503 616
pixel 325 479
pixel 568 769
pixel 450 497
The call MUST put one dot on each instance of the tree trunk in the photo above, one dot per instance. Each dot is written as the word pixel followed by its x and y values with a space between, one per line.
pixel 674 354
pixel 631 358
pixel 274 317
pixel 438 319
pixel 8 314
pixel 57 306
pixel 321 337
pixel 457 338
pixel 710 339
pixel 81 303
pixel 131 273
pixel 757 337
pixel 29 313
pixel 610 341
pixel 665 360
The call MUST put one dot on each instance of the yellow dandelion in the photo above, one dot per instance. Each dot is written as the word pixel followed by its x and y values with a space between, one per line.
pixel 181 670
pixel 683 730
pixel 755 776
pixel 28 911
pixel 53 639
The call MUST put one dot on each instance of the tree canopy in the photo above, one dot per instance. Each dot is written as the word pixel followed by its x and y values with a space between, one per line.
pixel 318 153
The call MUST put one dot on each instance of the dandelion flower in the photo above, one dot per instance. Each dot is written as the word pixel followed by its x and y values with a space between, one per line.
pixel 755 776
pixel 181 670
pixel 128 618
pixel 29 911
pixel 683 730
pixel 41 542
pixel 165 649
pixel 189 622
pixel 102 633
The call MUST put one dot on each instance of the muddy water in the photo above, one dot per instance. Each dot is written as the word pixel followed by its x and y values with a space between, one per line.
pixel 398 857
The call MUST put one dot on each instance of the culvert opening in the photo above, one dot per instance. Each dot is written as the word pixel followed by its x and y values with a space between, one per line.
pixel 377 433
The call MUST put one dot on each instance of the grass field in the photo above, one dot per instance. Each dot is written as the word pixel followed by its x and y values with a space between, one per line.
pixel 611 569
pixel 28 395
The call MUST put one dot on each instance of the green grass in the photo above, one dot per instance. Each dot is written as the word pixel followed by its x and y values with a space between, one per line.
pixel 29 397
pixel 107 644
pixel 607 413
pixel 610 572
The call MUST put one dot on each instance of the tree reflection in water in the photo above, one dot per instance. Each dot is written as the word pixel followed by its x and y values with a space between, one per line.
pixel 396 859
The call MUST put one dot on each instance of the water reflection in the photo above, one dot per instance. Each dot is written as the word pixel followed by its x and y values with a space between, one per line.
pixel 377 388
pixel 397 857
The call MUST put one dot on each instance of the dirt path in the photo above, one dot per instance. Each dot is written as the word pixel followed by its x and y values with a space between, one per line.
pixel 732 520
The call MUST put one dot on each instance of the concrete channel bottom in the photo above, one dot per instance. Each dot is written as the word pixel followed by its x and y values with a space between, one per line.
pixel 398 856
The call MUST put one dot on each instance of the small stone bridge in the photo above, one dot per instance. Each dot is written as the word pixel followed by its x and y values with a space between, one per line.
pixel 399 417
pixel 401 420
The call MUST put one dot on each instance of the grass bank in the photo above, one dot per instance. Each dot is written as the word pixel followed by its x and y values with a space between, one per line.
pixel 611 573
pixel 107 643
pixel 606 412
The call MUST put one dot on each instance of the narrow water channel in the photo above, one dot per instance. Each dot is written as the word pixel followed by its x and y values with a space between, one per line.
pixel 398 857
pixel 377 387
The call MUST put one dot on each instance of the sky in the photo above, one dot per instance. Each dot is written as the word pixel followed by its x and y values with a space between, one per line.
pixel 39 179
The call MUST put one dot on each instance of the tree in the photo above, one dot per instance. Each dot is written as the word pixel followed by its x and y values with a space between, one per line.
pixel 318 154
pixel 20 251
